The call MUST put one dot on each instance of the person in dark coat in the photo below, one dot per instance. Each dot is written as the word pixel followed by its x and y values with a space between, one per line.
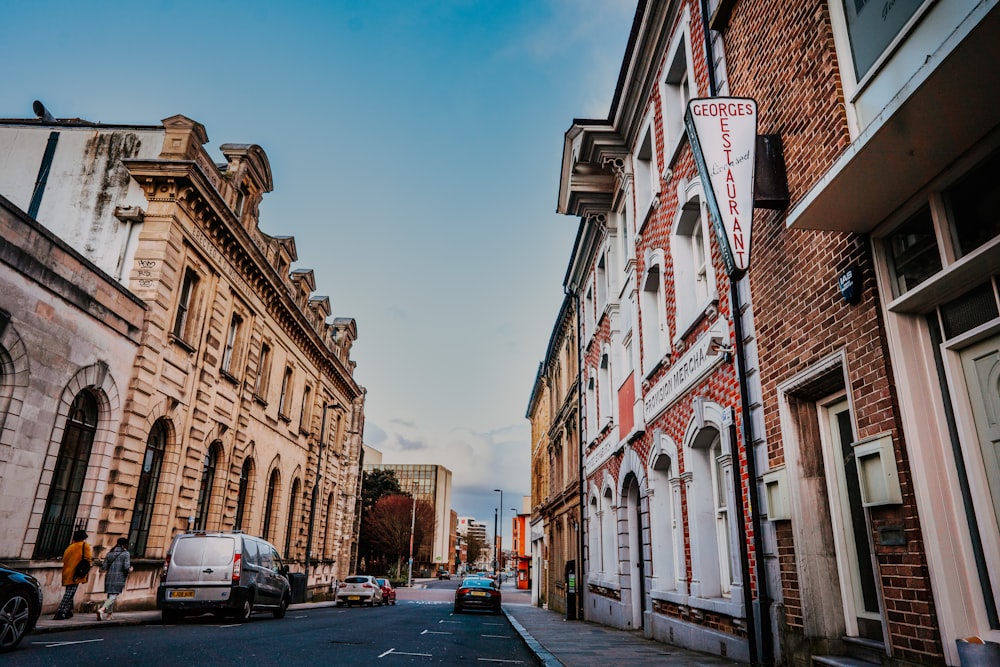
pixel 117 564
pixel 77 551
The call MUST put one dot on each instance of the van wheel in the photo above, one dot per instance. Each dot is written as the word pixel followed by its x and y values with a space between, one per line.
pixel 244 611
pixel 282 608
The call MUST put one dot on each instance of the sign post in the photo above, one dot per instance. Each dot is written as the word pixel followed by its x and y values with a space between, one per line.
pixel 723 133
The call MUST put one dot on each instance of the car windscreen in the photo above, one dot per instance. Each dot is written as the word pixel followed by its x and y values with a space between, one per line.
pixel 356 580
pixel 204 551
pixel 477 583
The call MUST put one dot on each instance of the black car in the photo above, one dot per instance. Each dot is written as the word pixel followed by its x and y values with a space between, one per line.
pixel 20 605
pixel 477 593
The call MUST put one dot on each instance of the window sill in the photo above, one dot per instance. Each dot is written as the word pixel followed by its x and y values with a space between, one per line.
pixel 602 580
pixel 718 605
pixel 180 342
pixel 260 400
pixel 285 418
pixel 675 597
pixel 706 309
pixel 229 376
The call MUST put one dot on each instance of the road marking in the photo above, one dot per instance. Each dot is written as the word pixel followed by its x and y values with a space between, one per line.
pixel 395 652
pixel 513 662
pixel 497 636
pixel 434 632
pixel 444 620
pixel 231 625
pixel 82 641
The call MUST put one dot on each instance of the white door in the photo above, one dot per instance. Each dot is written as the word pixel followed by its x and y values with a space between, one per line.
pixel 859 579
pixel 981 364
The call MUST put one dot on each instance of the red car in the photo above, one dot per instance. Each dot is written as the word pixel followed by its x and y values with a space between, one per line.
pixel 388 592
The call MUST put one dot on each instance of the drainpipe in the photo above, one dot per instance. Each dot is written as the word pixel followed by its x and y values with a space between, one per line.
pixel 581 570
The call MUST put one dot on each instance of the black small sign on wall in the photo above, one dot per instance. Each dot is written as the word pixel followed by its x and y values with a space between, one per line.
pixel 850 284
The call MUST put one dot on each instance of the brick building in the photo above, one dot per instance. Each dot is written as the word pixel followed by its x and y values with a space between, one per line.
pixel 558 426
pixel 241 410
pixel 866 332
pixel 670 546
pixel 879 406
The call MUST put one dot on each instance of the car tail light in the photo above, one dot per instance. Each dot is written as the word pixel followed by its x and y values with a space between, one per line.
pixel 237 567
pixel 366 586
pixel 463 591
pixel 166 566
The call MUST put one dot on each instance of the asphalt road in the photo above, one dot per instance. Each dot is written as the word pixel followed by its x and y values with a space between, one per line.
pixel 420 629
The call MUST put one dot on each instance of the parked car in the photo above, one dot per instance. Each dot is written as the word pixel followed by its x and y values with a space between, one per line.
pixel 223 573
pixel 20 605
pixel 359 589
pixel 477 593
pixel 443 573
pixel 388 592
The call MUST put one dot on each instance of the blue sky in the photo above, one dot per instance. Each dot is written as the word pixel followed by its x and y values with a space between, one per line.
pixel 415 148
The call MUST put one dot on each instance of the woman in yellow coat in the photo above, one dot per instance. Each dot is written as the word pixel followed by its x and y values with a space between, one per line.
pixel 75 553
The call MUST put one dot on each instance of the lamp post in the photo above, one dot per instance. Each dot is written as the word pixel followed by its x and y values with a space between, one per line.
pixel 497 537
pixel 413 525
pixel 319 478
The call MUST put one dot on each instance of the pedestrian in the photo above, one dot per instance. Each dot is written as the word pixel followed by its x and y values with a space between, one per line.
pixel 117 564
pixel 76 563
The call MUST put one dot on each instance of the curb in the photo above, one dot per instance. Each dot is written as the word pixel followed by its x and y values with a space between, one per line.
pixel 547 659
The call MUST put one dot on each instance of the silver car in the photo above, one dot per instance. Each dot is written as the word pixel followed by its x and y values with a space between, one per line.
pixel 359 589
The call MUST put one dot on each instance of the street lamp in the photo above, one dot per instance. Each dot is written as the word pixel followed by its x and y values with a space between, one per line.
pixel 413 525
pixel 497 538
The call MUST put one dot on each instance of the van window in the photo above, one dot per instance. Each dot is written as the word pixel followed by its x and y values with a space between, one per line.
pixel 250 554
pixel 214 551
pixel 266 556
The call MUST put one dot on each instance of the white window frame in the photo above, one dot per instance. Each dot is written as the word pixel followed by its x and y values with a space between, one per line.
pixel 653 311
pixel 677 87
pixel 695 287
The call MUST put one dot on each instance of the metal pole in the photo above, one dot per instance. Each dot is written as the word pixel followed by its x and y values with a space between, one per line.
pixel 497 537
pixel 413 525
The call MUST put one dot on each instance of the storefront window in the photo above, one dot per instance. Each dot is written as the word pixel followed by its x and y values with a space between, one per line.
pixel 975 206
pixel 873 26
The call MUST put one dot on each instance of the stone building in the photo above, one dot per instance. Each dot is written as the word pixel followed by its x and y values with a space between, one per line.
pixel 539 415
pixel 241 410
pixel 69 335
pixel 559 506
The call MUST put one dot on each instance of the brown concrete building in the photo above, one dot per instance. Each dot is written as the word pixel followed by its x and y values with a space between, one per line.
pixel 241 411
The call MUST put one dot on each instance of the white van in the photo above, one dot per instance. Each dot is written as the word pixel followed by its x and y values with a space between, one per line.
pixel 223 573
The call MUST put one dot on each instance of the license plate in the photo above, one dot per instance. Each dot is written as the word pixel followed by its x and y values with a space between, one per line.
pixel 478 594
pixel 353 597
pixel 181 594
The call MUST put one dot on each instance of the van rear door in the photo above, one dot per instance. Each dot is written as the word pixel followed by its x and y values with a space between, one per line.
pixel 202 562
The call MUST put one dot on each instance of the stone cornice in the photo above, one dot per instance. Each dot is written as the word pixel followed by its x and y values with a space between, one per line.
pixel 184 183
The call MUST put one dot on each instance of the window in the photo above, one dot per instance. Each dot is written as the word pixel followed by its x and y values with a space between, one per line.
pixel 694 277
pixel 873 26
pixel 647 179
pixel 231 341
pixel 286 390
pixel 712 555
pixel 655 332
pixel 590 305
pixel 59 516
pixel 676 94
pixel 605 392
pixel 263 372
pixel 975 206
pixel 207 486
pixel 271 507
pixel 331 513
pixel 602 281
pixel 609 534
pixel 244 493
pixel 306 409
pixel 913 251
pixel 591 406
pixel 292 505
pixel 665 517
pixel 149 480
pixel 594 535
pixel 182 321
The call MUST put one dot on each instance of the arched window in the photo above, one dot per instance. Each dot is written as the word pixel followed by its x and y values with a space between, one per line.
pixel 145 496
pixel 609 536
pixel 292 504
pixel 331 514
pixel 61 506
pixel 207 486
pixel 708 504
pixel 594 533
pixel 243 495
pixel 271 507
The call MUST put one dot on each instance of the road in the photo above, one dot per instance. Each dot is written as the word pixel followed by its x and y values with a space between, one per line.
pixel 420 629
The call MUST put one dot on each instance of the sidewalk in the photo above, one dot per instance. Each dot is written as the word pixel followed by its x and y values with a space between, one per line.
pixel 582 644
